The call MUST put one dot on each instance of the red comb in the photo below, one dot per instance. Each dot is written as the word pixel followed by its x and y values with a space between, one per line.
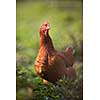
pixel 46 23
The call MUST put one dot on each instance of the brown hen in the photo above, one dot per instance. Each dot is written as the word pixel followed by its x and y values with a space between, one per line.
pixel 50 64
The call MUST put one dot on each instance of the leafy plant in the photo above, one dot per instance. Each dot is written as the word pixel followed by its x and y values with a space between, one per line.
pixel 66 29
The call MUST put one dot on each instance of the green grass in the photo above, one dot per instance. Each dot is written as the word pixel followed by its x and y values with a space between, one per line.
pixel 65 18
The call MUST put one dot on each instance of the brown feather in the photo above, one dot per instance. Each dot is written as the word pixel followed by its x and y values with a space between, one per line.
pixel 50 64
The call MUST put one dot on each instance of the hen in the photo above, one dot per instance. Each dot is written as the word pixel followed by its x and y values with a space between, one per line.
pixel 50 64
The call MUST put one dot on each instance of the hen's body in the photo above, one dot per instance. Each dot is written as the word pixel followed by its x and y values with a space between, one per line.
pixel 50 64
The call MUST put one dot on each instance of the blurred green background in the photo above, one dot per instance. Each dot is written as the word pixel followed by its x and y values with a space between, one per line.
pixel 65 18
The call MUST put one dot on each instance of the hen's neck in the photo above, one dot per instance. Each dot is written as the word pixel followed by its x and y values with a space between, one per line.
pixel 46 42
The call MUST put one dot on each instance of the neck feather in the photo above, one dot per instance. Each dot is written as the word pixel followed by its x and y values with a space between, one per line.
pixel 45 41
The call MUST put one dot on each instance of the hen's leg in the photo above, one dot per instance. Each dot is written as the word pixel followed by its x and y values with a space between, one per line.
pixel 45 81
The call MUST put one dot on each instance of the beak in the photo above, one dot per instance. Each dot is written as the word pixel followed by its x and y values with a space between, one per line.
pixel 48 28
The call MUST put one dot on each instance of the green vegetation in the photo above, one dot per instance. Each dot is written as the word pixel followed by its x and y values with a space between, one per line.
pixel 65 18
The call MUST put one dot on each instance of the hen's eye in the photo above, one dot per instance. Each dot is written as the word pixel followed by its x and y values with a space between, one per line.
pixel 45 24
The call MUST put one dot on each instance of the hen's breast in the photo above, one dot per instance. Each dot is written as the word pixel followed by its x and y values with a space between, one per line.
pixel 41 62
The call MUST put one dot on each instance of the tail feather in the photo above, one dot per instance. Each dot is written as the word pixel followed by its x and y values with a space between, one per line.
pixel 69 51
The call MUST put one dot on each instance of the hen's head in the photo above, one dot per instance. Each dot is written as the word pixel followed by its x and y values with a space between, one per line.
pixel 44 28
